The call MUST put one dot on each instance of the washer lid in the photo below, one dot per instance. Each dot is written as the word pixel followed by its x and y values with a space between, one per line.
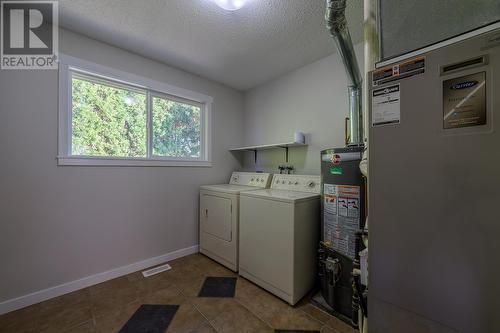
pixel 281 195
pixel 229 188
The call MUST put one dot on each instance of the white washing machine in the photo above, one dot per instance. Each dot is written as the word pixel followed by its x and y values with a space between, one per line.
pixel 279 232
pixel 219 205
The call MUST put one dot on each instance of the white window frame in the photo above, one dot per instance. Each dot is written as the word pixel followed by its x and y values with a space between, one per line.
pixel 68 65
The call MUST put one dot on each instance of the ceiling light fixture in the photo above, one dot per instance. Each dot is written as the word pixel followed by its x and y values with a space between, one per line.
pixel 230 4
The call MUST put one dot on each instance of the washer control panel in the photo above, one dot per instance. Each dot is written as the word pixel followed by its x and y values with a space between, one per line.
pixel 301 183
pixel 251 179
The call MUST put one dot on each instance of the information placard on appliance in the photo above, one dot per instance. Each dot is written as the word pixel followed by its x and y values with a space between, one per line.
pixel 386 106
pixel 407 68
pixel 341 217
pixel 464 101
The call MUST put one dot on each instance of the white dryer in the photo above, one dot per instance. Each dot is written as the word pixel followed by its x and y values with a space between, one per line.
pixel 279 232
pixel 219 205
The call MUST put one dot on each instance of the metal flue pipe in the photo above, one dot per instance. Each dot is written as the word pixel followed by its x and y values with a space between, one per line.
pixel 337 25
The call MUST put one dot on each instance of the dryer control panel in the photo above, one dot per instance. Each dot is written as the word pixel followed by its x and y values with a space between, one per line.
pixel 251 179
pixel 301 183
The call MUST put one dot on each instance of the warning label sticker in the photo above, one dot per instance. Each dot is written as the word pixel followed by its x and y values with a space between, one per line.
pixel 386 106
pixel 399 71
pixel 341 217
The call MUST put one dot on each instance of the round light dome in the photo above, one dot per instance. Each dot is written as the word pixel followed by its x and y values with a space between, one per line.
pixel 230 4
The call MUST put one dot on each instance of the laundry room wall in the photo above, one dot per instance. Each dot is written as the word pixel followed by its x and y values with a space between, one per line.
pixel 59 224
pixel 312 99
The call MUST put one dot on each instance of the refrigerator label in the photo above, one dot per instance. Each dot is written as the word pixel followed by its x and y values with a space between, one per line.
pixel 464 101
pixel 341 217
pixel 386 106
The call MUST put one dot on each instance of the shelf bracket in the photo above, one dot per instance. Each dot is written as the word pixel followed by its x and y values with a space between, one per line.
pixel 255 156
pixel 286 152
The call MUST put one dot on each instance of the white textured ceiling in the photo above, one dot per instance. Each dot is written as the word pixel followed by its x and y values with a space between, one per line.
pixel 242 49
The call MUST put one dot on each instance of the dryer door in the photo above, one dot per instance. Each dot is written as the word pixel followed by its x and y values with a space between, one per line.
pixel 216 216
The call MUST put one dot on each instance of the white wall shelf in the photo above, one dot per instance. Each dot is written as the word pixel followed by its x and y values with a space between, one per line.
pixel 285 146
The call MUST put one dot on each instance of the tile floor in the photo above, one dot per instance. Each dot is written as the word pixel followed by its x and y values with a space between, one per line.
pixel 106 307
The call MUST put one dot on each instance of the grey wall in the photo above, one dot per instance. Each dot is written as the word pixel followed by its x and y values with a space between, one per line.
pixel 59 224
pixel 312 99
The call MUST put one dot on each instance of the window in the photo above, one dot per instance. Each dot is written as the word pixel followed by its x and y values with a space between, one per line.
pixel 176 128
pixel 107 117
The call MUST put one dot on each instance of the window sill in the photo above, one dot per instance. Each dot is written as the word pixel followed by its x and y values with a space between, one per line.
pixel 129 162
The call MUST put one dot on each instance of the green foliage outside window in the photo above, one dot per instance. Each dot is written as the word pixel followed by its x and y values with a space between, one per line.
pixel 108 121
pixel 176 128
pixel 112 121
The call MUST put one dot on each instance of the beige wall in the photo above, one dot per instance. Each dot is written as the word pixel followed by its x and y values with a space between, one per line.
pixel 312 99
pixel 59 224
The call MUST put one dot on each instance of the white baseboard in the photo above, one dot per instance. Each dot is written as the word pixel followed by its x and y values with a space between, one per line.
pixel 42 295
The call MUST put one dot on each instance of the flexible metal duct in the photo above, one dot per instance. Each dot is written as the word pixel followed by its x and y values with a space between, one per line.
pixel 337 25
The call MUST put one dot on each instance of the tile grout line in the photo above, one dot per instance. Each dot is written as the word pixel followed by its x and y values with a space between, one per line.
pixel 210 322
pixel 307 314
pixel 206 318
pixel 261 319
pixel 37 326
pixel 331 328
pixel 315 319
pixel 92 310
pixel 196 308
pixel 237 300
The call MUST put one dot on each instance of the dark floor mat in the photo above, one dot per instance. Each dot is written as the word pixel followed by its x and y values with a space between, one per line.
pixel 218 287
pixel 295 331
pixel 150 319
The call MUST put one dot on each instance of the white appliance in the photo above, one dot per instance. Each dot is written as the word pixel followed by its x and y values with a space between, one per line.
pixel 219 216
pixel 279 229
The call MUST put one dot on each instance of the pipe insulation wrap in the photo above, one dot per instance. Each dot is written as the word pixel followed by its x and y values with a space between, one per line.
pixel 336 23
pixel 337 26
